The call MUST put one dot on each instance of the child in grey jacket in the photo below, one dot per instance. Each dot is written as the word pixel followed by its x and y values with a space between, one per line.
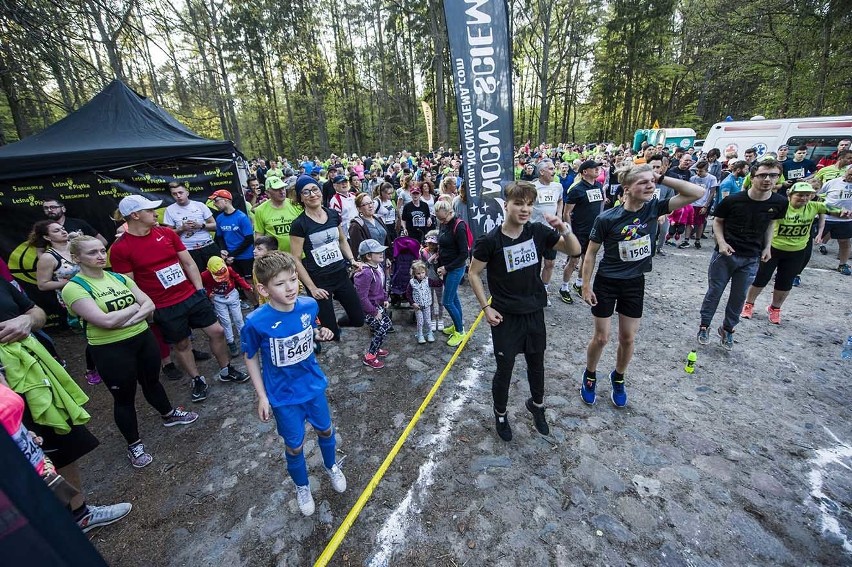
pixel 420 297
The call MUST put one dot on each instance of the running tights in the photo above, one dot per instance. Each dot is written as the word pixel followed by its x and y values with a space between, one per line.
pixel 503 378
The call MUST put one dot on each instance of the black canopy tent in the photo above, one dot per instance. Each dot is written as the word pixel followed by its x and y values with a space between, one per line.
pixel 117 128
pixel 117 144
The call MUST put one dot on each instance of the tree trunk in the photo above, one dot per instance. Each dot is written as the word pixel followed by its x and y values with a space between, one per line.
pixel 9 86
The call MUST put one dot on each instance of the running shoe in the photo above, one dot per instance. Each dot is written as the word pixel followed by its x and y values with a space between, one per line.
pixel 671 243
pixel 684 244
pixel 549 303
pixel 578 289
pixel 180 417
pixel 844 269
pixel 421 340
pixel 587 389
pixel 338 481
pixel 382 352
pixel 538 417
pixel 305 499
pixel 138 457
pixel 619 392
pixel 200 355
pixel 456 339
pixel 172 372
pixel 99 516
pixel 774 314
pixel 823 250
pixel 748 311
pixel 233 349
pixel 449 331
pixel 373 361
pixel 698 245
pixel 233 375
pixel 199 389
pixel 703 337
pixel 726 338
pixel 92 377
pixel 565 294
pixel 430 338
pixel 504 430
pixel 797 281
pixel 660 252
pixel 439 325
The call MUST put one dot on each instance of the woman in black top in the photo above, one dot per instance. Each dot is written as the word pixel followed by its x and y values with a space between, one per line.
pixel 453 251
pixel 325 268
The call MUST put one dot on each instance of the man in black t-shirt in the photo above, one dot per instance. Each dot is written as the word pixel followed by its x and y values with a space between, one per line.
pixel 627 234
pixel 583 203
pixel 797 167
pixel 54 210
pixel 512 253
pixel 681 169
pixel 744 225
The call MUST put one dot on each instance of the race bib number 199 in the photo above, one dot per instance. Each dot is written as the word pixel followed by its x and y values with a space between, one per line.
pixel 293 349
pixel 171 275
pixel 635 250
pixel 520 255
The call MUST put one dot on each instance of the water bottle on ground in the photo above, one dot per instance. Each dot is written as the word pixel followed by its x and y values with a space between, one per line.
pixel 846 353
pixel 691 359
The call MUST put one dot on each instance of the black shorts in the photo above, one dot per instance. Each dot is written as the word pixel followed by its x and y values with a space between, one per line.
pixel 549 254
pixel 62 449
pixel 244 267
pixel 201 255
pixel 583 239
pixel 624 296
pixel 838 230
pixel 517 334
pixel 177 321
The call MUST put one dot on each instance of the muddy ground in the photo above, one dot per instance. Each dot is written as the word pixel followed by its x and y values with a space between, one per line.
pixel 746 462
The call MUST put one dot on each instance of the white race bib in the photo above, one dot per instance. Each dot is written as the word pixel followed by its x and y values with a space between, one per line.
pixel 418 220
pixel 635 250
pixel 657 193
pixel 520 255
pixel 547 197
pixel 327 254
pixel 171 275
pixel 594 195
pixel 293 349
pixel 845 194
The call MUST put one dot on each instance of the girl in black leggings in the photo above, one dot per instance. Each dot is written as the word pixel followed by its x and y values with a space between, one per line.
pixel 122 346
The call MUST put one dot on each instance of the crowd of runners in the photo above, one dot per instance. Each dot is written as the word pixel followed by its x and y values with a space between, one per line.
pixel 378 235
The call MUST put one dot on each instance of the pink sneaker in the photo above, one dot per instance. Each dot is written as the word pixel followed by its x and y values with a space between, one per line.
pixel 382 352
pixel 373 361
pixel 92 377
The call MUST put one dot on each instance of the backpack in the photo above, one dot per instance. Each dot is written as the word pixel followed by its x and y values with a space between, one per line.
pixel 469 233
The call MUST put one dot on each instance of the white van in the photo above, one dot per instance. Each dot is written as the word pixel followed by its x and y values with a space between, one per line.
pixel 821 134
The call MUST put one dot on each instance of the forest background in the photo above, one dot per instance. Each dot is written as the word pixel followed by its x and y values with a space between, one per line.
pixel 293 77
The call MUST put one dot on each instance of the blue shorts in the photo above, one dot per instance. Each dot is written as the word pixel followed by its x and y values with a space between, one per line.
pixel 290 419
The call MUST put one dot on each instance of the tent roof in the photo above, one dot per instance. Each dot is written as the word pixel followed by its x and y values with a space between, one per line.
pixel 118 127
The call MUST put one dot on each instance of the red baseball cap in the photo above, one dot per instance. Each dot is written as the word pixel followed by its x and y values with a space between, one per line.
pixel 222 193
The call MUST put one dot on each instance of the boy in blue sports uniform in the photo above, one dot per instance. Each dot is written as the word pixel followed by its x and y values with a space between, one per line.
pixel 291 385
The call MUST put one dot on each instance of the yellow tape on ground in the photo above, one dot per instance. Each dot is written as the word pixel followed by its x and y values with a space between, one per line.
pixel 350 518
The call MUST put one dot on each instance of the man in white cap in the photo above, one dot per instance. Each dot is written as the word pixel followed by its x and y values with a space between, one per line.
pixel 156 259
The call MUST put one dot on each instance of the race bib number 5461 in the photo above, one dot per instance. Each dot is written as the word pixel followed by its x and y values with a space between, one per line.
pixel 293 349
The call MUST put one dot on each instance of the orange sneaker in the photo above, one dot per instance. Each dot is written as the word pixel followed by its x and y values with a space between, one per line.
pixel 774 314
pixel 748 311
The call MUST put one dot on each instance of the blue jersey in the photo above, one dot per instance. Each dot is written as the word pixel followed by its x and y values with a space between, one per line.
pixel 291 374
pixel 234 228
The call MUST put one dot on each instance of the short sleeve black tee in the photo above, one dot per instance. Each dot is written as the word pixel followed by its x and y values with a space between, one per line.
pixel 323 255
pixel 12 302
pixel 746 221
pixel 678 173
pixel 514 267
pixel 628 239
pixel 415 218
pixel 73 225
pixel 588 203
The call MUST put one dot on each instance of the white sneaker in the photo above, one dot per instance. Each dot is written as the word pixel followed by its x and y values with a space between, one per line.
pixel 305 499
pixel 338 481
pixel 98 516
pixel 439 325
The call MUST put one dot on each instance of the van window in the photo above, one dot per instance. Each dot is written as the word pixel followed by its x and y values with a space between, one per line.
pixel 818 147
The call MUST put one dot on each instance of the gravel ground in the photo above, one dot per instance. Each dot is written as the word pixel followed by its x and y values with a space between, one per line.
pixel 745 462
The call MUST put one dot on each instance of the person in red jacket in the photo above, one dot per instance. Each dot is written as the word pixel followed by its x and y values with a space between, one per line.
pixel 831 159
pixel 220 282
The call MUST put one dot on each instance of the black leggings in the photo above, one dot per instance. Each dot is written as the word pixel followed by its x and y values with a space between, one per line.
pixel 788 264
pixel 503 378
pixel 121 365
pixel 340 288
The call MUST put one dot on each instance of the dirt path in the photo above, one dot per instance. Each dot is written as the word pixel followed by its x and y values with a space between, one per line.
pixel 744 462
